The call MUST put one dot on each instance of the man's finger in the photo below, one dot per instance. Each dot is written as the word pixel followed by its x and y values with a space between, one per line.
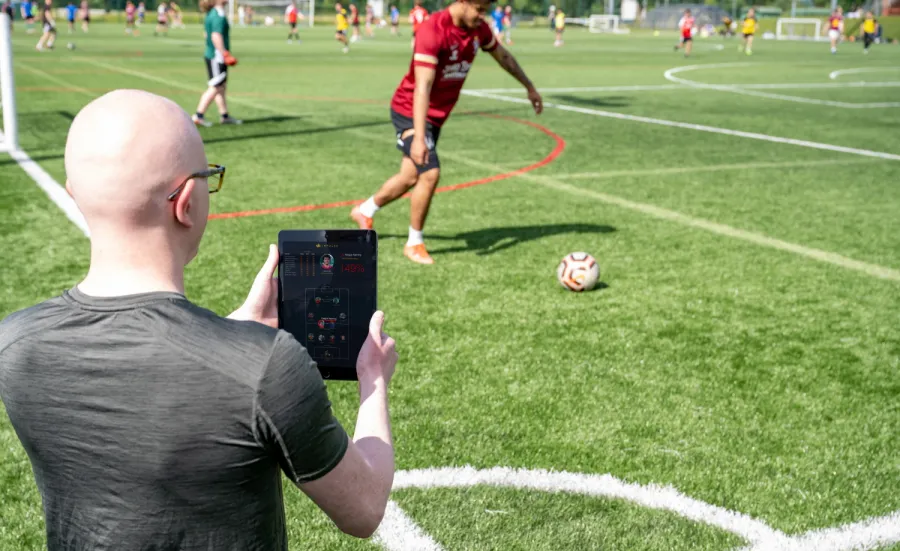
pixel 375 326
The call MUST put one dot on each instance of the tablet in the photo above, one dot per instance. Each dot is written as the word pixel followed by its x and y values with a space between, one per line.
pixel 327 294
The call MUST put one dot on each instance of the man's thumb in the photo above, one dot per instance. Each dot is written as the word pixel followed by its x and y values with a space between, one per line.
pixel 375 326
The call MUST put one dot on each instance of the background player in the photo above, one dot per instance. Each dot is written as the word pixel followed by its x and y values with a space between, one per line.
pixel 354 22
pixel 27 9
pixel 417 16
pixel 497 22
pixel 340 26
pixel 175 15
pixel 290 17
pixel 559 25
pixel 445 48
pixel 141 13
pixel 85 16
pixel 370 21
pixel 686 24
pixel 71 12
pixel 507 23
pixel 835 28
pixel 218 58
pixel 748 28
pixel 868 28
pixel 162 20
pixel 395 20
pixel 48 25
pixel 130 11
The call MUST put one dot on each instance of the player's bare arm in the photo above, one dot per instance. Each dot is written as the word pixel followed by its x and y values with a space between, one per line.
pixel 506 60
pixel 425 76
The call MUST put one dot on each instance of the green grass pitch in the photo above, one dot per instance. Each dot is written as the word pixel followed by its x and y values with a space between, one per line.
pixel 744 348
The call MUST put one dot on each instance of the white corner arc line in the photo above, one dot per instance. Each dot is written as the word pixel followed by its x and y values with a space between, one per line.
pixel 691 126
pixel 398 532
pixel 834 74
pixel 51 187
pixel 670 76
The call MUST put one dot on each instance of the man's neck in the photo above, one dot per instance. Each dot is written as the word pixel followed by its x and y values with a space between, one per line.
pixel 456 12
pixel 119 269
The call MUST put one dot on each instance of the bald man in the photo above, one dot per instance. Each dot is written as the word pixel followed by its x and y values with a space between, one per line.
pixel 152 423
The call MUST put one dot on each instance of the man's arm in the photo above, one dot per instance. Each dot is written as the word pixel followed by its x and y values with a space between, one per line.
pixel 509 63
pixel 219 43
pixel 425 76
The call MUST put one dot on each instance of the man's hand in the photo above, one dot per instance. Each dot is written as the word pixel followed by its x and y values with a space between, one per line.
pixel 537 102
pixel 378 355
pixel 418 151
pixel 261 305
pixel 230 60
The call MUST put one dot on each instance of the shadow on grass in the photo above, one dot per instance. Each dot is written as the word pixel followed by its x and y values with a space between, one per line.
pixel 606 101
pixel 491 240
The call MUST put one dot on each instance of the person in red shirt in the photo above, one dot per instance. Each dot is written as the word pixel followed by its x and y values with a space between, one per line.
pixel 417 16
pixel 291 15
pixel 354 23
pixel 445 48
pixel 686 24
pixel 836 27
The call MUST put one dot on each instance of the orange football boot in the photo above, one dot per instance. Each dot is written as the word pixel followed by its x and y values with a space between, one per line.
pixel 417 253
pixel 363 221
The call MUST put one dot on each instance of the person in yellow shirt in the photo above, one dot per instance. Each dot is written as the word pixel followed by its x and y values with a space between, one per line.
pixel 341 26
pixel 869 27
pixel 560 20
pixel 748 28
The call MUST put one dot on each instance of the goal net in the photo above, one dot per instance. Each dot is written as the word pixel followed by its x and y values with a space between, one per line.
pixel 605 24
pixel 263 12
pixel 8 131
pixel 794 28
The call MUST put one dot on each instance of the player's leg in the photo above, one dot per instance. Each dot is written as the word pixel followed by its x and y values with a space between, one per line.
pixel 51 38
pixel 749 49
pixel 215 79
pixel 42 40
pixel 688 45
pixel 419 204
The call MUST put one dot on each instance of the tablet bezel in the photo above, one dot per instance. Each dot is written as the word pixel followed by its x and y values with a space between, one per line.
pixel 345 373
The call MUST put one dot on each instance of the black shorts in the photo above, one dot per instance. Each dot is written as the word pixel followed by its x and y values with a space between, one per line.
pixel 294 26
pixel 868 39
pixel 48 28
pixel 403 123
pixel 747 34
pixel 162 22
pixel 218 72
pixel 687 39
pixel 341 33
pixel 87 19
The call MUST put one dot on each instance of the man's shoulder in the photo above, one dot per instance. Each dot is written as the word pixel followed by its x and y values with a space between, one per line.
pixel 32 320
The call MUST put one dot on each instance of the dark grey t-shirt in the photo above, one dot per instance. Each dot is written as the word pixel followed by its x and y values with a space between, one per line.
pixel 152 423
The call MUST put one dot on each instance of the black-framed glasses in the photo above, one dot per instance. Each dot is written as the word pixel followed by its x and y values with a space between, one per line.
pixel 215 177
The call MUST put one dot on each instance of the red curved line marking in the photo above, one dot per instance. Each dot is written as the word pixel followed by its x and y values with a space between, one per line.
pixel 557 151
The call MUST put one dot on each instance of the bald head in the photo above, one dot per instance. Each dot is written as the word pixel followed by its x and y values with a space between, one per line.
pixel 126 151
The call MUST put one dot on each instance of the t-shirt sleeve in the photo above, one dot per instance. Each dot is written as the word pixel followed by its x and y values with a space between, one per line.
pixel 217 25
pixel 428 47
pixel 486 37
pixel 293 417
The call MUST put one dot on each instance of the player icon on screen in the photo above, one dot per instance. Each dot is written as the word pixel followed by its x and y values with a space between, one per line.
pixel 327 262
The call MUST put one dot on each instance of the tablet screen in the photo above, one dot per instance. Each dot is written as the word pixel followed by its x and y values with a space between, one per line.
pixel 327 287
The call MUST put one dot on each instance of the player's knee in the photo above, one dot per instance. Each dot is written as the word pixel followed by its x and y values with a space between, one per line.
pixel 430 178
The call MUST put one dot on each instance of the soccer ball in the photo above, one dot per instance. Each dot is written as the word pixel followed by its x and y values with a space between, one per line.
pixel 70 45
pixel 578 272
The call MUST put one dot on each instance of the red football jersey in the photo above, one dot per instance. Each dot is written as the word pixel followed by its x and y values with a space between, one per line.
pixel 835 21
pixel 450 50
pixel 687 23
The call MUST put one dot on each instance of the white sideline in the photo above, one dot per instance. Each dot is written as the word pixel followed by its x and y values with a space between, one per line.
pixel 666 87
pixel 670 76
pixel 863 535
pixel 834 74
pixel 705 168
pixel 691 126
pixel 51 187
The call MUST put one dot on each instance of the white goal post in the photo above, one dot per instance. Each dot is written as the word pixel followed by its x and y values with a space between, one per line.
pixel 9 134
pixel 269 8
pixel 605 24
pixel 799 28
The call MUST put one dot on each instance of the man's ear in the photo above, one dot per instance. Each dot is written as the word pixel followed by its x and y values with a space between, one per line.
pixel 183 204
pixel 69 189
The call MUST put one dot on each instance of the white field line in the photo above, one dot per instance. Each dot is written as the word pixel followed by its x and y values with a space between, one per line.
pixel 835 259
pixel 56 80
pixel 690 126
pixel 706 168
pixel 863 535
pixel 670 76
pixel 669 87
pixel 398 532
pixel 834 74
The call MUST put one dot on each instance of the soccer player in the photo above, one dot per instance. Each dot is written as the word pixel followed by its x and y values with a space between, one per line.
pixel 507 23
pixel 142 13
pixel 162 20
pixel 85 16
pixel 175 15
pixel 354 22
pixel 27 10
pixel 290 17
pixel 445 49
pixel 869 28
pixel 417 16
pixel 395 20
pixel 497 22
pixel 129 19
pixel 340 26
pixel 48 26
pixel 218 59
pixel 835 28
pixel 551 15
pixel 71 11
pixel 686 24
pixel 559 25
pixel 370 21
pixel 748 28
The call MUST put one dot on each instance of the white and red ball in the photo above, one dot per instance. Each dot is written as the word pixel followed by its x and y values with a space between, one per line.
pixel 578 272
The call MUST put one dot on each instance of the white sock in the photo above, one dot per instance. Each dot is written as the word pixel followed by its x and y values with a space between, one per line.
pixel 415 237
pixel 369 208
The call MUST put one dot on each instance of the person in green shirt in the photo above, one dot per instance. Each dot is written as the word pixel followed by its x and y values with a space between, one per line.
pixel 218 58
